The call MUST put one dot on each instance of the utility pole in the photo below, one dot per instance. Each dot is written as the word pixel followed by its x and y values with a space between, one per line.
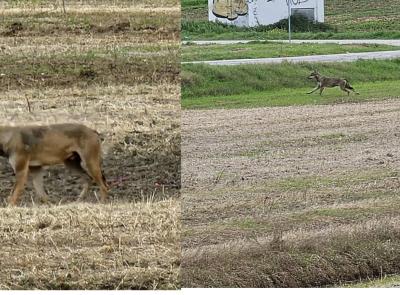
pixel 289 21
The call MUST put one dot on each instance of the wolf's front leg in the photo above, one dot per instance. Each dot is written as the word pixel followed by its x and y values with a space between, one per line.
pixel 315 89
pixel 20 165
pixel 37 180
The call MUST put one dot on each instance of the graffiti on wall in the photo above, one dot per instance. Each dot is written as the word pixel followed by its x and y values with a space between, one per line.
pixel 231 9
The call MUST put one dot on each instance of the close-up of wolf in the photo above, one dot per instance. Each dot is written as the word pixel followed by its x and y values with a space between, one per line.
pixel 89 144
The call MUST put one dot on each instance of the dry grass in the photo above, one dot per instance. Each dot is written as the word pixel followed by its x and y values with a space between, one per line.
pixel 337 254
pixel 86 246
pixel 113 68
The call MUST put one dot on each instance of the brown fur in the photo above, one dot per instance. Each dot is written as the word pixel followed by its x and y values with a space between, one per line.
pixel 32 148
pixel 323 82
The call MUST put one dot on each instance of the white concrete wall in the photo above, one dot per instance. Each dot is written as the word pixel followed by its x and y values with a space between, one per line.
pixel 262 12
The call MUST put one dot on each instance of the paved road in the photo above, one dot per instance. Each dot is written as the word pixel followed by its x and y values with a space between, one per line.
pixel 344 57
pixel 350 41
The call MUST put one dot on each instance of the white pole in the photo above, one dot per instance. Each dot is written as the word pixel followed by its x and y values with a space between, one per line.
pixel 290 14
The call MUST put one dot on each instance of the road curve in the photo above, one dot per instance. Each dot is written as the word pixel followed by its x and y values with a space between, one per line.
pixel 343 57
pixel 393 42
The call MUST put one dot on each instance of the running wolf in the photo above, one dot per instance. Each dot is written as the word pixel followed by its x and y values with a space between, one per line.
pixel 323 82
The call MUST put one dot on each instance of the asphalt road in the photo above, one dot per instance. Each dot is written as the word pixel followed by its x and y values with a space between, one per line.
pixel 344 57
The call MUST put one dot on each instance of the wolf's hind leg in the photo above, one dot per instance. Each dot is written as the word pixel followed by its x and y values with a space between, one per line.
pixel 74 164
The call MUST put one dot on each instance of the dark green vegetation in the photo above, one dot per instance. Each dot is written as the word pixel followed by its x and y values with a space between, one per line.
pixel 344 20
pixel 270 49
pixel 205 86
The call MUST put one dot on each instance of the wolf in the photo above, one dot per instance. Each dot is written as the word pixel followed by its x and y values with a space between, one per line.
pixel 30 149
pixel 323 82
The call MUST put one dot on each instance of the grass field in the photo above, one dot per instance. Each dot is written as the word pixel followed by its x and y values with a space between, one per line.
pixel 269 49
pixel 114 68
pixel 348 20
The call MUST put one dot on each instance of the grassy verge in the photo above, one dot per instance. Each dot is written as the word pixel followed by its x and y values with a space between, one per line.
pixel 210 86
pixel 348 19
pixel 204 30
pixel 269 49
pixel 286 97
pixel 82 246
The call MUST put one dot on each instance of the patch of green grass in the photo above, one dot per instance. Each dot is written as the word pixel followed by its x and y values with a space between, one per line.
pixel 204 30
pixel 206 86
pixel 320 182
pixel 247 224
pixel 287 97
pixel 270 49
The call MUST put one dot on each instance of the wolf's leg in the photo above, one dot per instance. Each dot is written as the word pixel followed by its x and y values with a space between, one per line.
pixel 74 165
pixel 98 177
pixel 343 87
pixel 20 165
pixel 315 89
pixel 352 89
pixel 92 162
pixel 321 90
pixel 37 180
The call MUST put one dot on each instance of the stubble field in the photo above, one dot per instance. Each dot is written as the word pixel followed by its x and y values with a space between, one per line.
pixel 290 196
pixel 114 68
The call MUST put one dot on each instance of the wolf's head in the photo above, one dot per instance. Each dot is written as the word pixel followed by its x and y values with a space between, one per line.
pixel 314 75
